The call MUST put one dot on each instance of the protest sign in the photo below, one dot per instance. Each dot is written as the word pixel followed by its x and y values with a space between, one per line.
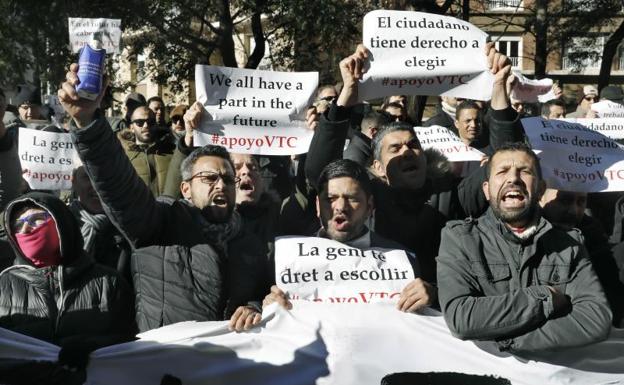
pixel 318 343
pixel 448 143
pixel 416 53
pixel 530 90
pixel 608 109
pixel 47 159
pixel 610 127
pixel 82 30
pixel 575 158
pixel 254 112
pixel 323 270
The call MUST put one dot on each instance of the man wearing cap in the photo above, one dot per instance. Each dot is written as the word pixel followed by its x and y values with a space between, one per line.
pixel 588 96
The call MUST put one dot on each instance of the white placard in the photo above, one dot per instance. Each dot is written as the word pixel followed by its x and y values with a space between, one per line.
pixel 529 90
pixel 575 158
pixel 445 141
pixel 81 31
pixel 322 270
pixel 611 127
pixel 254 112
pixel 417 53
pixel 608 109
pixel 47 159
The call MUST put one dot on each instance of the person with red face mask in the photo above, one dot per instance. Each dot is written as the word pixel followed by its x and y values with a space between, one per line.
pixel 54 291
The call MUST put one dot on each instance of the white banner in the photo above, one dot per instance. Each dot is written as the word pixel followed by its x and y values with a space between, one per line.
pixel 323 270
pixel 81 31
pixel 328 344
pixel 255 112
pixel 610 127
pixel 531 90
pixel 575 158
pixel 47 159
pixel 608 109
pixel 445 141
pixel 416 53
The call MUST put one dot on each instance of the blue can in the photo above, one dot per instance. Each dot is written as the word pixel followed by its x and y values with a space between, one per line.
pixel 91 70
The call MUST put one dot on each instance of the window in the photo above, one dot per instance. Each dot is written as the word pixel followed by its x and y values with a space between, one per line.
pixel 503 5
pixel 582 53
pixel 512 47
pixel 141 69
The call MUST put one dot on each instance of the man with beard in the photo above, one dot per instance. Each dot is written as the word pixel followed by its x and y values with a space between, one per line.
pixel 415 190
pixel 148 148
pixel 511 276
pixel 192 260
pixel 344 205
pixel 259 208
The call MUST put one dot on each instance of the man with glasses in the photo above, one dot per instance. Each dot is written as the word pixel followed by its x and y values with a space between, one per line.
pixel 148 148
pixel 192 259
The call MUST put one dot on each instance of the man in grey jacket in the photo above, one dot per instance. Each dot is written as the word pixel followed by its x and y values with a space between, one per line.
pixel 512 277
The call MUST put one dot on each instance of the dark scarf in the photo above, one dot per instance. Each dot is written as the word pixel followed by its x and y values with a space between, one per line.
pixel 218 234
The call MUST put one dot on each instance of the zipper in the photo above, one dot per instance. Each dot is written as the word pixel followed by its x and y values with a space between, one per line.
pixel 61 301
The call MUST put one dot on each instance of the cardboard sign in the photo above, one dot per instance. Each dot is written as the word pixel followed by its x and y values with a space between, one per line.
pixel 47 159
pixel 608 109
pixel 323 270
pixel 254 112
pixel 575 158
pixel 81 31
pixel 417 53
pixel 609 127
pixel 445 141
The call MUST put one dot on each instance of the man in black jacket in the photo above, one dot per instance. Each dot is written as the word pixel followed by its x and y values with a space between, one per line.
pixel 191 259
pixel 344 205
pixel 414 195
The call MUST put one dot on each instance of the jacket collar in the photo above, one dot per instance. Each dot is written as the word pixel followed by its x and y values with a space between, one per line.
pixel 496 224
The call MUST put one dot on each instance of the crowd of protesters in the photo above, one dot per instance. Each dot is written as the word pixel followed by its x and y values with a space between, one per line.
pixel 157 231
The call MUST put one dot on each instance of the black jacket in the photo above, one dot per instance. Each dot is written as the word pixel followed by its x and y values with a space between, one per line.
pixel 413 218
pixel 359 149
pixel 77 301
pixel 180 274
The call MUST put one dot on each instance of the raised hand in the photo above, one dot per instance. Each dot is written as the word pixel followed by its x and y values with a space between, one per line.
pixel 80 109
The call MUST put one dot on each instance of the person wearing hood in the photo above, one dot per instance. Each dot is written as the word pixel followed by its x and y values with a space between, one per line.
pixel 415 193
pixel 54 291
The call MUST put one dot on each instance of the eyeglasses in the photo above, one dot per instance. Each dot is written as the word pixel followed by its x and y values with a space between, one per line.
pixel 141 122
pixel 33 220
pixel 210 178
pixel 176 119
pixel 592 98
pixel 328 98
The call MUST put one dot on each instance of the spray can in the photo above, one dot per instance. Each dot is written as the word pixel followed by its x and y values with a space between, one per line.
pixel 91 69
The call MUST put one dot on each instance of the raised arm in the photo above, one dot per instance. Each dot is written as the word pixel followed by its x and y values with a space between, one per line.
pixel 329 138
pixel 127 200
